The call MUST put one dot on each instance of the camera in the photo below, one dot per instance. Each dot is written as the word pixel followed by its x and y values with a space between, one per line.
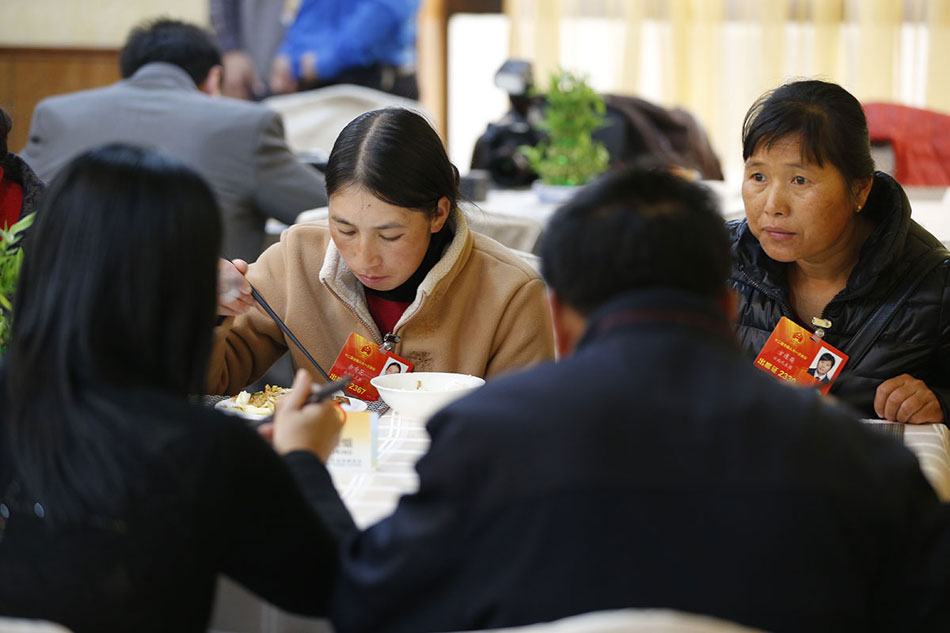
pixel 496 150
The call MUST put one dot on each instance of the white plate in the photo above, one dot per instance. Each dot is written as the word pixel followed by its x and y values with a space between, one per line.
pixel 354 406
pixel 227 405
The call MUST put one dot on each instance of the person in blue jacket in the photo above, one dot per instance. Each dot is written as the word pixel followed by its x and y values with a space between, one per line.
pixel 364 42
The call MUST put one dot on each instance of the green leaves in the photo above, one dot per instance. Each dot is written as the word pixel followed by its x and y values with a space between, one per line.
pixel 11 258
pixel 568 156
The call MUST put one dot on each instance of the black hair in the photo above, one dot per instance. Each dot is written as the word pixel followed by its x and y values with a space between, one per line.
pixel 827 119
pixel 635 228
pixel 827 356
pixel 6 124
pixel 396 155
pixel 185 45
pixel 117 292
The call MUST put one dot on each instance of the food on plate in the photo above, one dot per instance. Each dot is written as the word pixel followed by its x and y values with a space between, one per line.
pixel 264 403
pixel 259 402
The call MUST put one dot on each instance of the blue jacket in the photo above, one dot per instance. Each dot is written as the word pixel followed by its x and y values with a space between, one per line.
pixel 352 34
pixel 655 467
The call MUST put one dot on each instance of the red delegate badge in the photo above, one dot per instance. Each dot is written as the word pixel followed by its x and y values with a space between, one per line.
pixel 363 360
pixel 794 354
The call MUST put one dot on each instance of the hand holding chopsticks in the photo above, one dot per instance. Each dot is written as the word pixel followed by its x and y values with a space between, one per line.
pixel 299 426
pixel 237 296
pixel 234 291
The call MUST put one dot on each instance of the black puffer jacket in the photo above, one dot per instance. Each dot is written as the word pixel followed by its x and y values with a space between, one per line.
pixel 915 342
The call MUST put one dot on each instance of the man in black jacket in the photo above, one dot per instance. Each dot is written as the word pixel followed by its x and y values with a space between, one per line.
pixel 653 466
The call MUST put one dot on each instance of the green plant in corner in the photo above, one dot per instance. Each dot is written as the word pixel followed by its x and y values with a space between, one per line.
pixel 568 155
pixel 11 257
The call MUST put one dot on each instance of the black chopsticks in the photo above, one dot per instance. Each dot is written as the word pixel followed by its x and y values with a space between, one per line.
pixel 286 330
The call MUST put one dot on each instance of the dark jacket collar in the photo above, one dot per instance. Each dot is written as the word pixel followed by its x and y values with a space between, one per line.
pixel 658 306
pixel 162 75
pixel 887 206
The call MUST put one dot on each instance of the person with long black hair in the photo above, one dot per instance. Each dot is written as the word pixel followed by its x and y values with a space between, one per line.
pixel 121 501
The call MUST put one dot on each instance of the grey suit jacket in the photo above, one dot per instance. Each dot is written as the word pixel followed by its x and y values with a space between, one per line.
pixel 237 146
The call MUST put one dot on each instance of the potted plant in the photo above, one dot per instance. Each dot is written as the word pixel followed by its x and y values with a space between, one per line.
pixel 568 157
pixel 11 256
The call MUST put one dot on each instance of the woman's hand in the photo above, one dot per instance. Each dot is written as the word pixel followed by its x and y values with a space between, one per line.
pixel 906 399
pixel 308 427
pixel 234 293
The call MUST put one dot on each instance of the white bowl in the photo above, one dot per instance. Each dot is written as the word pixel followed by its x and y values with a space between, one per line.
pixel 420 394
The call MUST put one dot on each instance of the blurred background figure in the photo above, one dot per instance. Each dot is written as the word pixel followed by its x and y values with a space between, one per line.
pixel 20 188
pixel 249 32
pixel 364 42
pixel 171 70
pixel 120 501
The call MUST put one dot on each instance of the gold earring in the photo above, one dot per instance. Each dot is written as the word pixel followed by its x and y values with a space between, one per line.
pixel 858 210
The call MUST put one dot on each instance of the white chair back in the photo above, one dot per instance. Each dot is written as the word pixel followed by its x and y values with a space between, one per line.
pixel 17 625
pixel 314 118
pixel 634 621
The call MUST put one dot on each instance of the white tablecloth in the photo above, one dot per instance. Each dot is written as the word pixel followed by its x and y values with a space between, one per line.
pixel 372 495
pixel 931 444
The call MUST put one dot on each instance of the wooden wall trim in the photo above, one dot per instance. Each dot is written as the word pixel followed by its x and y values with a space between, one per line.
pixel 30 74
pixel 59 52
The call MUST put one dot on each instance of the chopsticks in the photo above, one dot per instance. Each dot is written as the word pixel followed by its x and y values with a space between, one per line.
pixel 286 330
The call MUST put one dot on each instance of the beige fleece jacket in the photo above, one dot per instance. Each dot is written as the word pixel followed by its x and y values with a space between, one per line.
pixel 481 310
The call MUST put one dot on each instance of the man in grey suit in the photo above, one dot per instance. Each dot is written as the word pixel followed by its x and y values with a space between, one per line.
pixel 167 99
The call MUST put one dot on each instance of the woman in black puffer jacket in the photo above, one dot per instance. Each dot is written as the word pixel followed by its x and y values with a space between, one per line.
pixel 827 239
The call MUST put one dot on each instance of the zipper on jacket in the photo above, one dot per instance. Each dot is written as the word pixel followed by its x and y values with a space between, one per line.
pixel 389 341
pixel 786 309
pixel 369 327
pixel 823 329
pixel 821 324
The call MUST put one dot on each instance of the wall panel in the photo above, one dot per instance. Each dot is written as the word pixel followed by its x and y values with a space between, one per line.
pixel 28 75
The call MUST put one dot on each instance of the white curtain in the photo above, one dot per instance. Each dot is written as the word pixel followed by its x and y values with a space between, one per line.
pixel 715 57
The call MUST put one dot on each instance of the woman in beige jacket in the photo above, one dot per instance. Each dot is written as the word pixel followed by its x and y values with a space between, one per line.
pixel 397 264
